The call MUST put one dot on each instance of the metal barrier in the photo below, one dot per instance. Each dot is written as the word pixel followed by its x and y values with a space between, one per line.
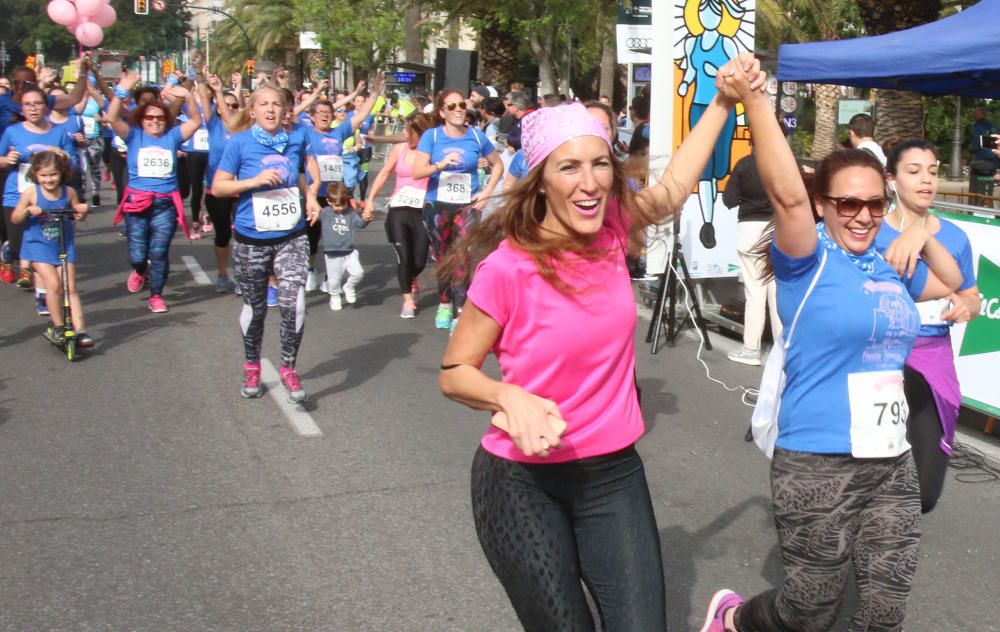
pixel 963 198
pixel 971 209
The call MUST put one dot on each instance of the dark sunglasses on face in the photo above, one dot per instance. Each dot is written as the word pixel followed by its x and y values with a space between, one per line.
pixel 154 117
pixel 340 110
pixel 451 106
pixel 850 207
pixel 233 106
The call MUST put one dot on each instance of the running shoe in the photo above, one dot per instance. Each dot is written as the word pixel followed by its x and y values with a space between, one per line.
pixel 156 305
pixel 335 303
pixel 323 287
pixel 296 395
pixel 96 200
pixel 7 272
pixel 40 306
pixel 5 253
pixel 745 356
pixel 106 176
pixel 415 290
pixel 312 280
pixel 251 381
pixel 409 310
pixel 223 284
pixel 55 335
pixel 24 280
pixel 272 295
pixel 83 340
pixel 207 227
pixel 722 602
pixel 350 294
pixel 135 282
pixel 442 320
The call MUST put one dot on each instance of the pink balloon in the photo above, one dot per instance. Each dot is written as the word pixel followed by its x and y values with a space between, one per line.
pixel 106 17
pixel 62 12
pixel 89 8
pixel 89 34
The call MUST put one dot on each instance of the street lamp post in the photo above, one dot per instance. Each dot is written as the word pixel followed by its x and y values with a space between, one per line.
pixel 187 5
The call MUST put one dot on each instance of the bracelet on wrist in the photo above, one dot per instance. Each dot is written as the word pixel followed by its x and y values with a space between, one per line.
pixel 121 92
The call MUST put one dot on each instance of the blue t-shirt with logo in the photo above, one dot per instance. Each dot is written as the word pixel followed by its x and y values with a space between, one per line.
pixel 27 143
pixel 218 138
pixel 955 242
pixel 471 147
pixel 246 158
pixel 147 152
pixel 852 322
pixel 327 144
pixel 200 141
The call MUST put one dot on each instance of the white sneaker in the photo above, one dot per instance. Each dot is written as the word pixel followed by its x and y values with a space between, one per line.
pixel 312 281
pixel 323 287
pixel 745 356
pixel 350 294
pixel 335 303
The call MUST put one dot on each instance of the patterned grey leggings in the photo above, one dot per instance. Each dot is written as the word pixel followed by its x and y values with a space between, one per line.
pixel 832 512
pixel 289 262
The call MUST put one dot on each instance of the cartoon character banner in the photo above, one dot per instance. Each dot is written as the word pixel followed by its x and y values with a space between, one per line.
pixel 708 34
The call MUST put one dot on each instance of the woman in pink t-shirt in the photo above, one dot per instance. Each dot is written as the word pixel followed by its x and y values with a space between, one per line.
pixel 559 493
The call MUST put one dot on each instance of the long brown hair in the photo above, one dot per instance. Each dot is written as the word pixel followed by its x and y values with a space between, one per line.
pixel 520 218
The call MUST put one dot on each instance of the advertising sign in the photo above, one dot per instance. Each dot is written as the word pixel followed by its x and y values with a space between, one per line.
pixel 634 31
pixel 976 344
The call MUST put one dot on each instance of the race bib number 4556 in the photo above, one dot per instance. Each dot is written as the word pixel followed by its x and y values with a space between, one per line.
pixel 277 210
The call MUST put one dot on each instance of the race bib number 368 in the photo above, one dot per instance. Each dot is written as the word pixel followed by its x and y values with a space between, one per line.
pixel 454 187
pixel 277 210
pixel 878 414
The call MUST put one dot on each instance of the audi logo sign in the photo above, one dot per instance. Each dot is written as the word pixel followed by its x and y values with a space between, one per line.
pixel 639 42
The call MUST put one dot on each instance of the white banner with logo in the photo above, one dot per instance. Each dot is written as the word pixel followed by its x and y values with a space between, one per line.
pixel 977 343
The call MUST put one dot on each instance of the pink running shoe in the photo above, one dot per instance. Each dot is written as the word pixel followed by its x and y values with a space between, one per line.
pixel 135 281
pixel 722 602
pixel 296 394
pixel 251 381
pixel 156 305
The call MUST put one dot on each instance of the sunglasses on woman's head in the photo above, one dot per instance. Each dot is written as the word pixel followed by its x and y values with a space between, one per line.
pixel 154 117
pixel 451 106
pixel 850 207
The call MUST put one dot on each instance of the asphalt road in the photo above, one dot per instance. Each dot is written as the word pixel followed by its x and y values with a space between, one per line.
pixel 141 492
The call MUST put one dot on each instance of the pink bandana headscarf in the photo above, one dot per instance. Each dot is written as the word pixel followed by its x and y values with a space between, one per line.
pixel 544 130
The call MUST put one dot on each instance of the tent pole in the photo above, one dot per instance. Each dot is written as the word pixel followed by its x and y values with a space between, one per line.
pixel 955 166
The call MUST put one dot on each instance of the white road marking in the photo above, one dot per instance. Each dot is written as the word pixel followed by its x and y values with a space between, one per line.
pixel 196 271
pixel 302 422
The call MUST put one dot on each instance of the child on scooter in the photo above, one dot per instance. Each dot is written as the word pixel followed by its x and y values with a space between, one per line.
pixel 50 171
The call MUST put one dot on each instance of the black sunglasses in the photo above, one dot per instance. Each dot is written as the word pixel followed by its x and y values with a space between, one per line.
pixel 850 207
pixel 451 106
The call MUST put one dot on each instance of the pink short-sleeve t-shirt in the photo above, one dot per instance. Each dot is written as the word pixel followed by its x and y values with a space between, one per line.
pixel 575 349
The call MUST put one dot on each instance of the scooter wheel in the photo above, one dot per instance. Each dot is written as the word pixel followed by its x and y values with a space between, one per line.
pixel 70 347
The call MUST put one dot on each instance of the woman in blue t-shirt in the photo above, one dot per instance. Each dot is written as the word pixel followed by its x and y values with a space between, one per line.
pixel 151 203
pixel 931 382
pixel 261 165
pixel 17 145
pixel 449 154
pixel 843 482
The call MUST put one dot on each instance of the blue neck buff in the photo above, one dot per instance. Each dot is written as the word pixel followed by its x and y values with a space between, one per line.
pixel 864 262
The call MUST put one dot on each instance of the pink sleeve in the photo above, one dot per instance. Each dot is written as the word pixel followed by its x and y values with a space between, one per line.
pixel 491 287
pixel 617 219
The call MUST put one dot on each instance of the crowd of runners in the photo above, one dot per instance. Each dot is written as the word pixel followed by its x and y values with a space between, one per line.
pixel 531 216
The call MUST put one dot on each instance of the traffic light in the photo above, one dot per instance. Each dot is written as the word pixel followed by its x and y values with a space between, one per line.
pixel 142 7
pixel 168 67
pixel 250 67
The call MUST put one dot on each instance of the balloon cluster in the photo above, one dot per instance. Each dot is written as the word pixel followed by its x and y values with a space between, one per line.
pixel 85 19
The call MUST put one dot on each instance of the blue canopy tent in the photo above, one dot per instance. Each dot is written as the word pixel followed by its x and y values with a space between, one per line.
pixel 958 55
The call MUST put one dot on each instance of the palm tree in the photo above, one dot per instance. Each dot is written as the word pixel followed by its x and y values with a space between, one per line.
pixel 900 114
pixel 271 26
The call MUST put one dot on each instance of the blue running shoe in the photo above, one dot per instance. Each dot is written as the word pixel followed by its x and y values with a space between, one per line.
pixel 442 320
pixel 272 296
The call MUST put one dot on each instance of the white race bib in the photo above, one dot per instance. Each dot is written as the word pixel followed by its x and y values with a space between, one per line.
pixel 276 210
pixel 331 168
pixel 89 127
pixel 878 414
pixel 22 177
pixel 454 187
pixel 930 311
pixel 408 196
pixel 200 140
pixel 155 162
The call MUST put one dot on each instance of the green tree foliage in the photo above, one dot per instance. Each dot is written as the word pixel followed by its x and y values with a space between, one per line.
pixel 25 22
pixel 364 32
pixel 271 25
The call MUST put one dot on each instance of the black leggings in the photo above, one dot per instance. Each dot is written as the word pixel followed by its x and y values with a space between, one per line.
pixel 548 529
pixel 406 232
pixel 220 210
pixel 197 164
pixel 14 232
pixel 924 433
pixel 119 172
